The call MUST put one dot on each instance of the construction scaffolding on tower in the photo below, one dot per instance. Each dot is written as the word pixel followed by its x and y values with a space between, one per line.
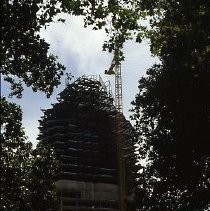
pixel 82 127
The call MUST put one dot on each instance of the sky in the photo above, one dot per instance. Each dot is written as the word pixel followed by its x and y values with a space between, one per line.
pixel 80 50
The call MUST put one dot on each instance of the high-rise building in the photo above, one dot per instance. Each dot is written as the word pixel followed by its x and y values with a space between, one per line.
pixel 82 129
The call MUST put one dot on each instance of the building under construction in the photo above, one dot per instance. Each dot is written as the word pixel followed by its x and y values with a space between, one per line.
pixel 95 146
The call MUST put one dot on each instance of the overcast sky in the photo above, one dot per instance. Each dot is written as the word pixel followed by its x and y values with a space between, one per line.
pixel 80 50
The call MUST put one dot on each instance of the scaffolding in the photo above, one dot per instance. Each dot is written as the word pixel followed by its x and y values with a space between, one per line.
pixel 82 128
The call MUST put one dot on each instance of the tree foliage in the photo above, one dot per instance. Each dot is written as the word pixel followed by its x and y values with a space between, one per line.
pixel 25 173
pixel 15 164
pixel 128 19
pixel 119 19
pixel 44 168
pixel 25 60
pixel 24 54
pixel 172 109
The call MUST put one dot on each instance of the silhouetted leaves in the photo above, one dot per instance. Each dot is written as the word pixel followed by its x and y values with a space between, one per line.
pixel 15 154
pixel 25 173
pixel 24 55
pixel 42 178
pixel 119 19
pixel 172 110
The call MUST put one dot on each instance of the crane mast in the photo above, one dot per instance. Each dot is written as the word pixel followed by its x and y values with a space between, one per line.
pixel 115 69
pixel 118 88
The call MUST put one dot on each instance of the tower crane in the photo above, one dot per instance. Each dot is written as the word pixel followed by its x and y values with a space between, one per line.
pixel 115 69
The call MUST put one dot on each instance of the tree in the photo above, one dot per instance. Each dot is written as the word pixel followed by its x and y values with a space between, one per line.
pixel 119 19
pixel 25 173
pixel 25 60
pixel 24 54
pixel 172 110
pixel 42 176
pixel 15 153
